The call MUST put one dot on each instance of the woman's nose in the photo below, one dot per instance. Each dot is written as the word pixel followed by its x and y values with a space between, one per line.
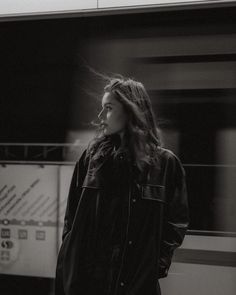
pixel 100 115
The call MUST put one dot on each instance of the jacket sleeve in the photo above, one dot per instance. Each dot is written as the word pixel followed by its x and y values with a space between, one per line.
pixel 176 215
pixel 74 194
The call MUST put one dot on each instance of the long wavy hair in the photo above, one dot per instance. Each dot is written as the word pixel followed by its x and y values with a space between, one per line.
pixel 141 134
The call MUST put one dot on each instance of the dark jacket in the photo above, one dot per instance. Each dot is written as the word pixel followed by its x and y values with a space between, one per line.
pixel 154 222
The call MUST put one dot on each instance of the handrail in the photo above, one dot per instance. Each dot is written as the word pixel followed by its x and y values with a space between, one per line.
pixel 41 144
pixel 53 147
pixel 37 152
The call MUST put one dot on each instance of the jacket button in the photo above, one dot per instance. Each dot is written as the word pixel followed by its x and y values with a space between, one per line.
pixel 130 242
pixel 122 284
pixel 134 200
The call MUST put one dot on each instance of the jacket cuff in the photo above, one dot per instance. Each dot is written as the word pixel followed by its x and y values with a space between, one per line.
pixel 163 268
pixel 163 272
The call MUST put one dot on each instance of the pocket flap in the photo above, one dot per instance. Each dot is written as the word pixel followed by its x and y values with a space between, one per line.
pixel 153 192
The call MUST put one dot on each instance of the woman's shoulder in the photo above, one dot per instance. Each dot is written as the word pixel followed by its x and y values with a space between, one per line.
pixel 82 159
pixel 169 156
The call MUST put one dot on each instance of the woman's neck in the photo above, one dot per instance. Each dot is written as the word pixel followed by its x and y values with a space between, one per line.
pixel 122 135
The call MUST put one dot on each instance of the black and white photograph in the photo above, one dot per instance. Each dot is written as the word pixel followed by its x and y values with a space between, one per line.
pixel 117 147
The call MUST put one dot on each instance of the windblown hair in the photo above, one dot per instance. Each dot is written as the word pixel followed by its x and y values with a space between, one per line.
pixel 141 133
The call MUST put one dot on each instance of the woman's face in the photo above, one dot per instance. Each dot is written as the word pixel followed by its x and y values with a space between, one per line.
pixel 113 117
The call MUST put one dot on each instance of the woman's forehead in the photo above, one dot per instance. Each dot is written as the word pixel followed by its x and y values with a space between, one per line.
pixel 108 99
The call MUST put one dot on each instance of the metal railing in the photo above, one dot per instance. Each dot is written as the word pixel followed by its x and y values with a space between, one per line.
pixel 40 152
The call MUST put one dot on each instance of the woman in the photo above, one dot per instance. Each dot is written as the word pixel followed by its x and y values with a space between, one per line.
pixel 127 206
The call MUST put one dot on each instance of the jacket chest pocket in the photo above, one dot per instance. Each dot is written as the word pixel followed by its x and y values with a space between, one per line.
pixel 153 192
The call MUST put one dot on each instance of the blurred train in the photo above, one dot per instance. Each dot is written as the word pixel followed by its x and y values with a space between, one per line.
pixel 186 58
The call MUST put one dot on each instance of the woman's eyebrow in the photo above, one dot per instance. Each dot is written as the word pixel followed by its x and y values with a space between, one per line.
pixel 106 104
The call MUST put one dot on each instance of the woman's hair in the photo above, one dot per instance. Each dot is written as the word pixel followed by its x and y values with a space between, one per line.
pixel 141 132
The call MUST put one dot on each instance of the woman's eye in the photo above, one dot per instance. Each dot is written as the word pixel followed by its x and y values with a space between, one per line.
pixel 108 108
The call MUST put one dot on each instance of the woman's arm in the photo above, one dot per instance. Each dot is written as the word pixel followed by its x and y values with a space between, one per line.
pixel 176 215
pixel 74 193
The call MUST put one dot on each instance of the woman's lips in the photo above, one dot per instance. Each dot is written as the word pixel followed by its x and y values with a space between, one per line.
pixel 103 125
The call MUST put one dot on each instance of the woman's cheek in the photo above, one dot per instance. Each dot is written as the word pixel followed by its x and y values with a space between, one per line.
pixel 108 115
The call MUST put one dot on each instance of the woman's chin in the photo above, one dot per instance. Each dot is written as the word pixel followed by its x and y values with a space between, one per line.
pixel 106 132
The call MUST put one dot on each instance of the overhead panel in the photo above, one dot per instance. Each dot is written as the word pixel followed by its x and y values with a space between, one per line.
pixel 126 3
pixel 35 7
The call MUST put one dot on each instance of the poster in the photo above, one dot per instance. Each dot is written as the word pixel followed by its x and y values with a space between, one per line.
pixel 28 219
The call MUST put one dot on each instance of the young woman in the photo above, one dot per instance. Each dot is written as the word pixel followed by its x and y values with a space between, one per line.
pixel 127 206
